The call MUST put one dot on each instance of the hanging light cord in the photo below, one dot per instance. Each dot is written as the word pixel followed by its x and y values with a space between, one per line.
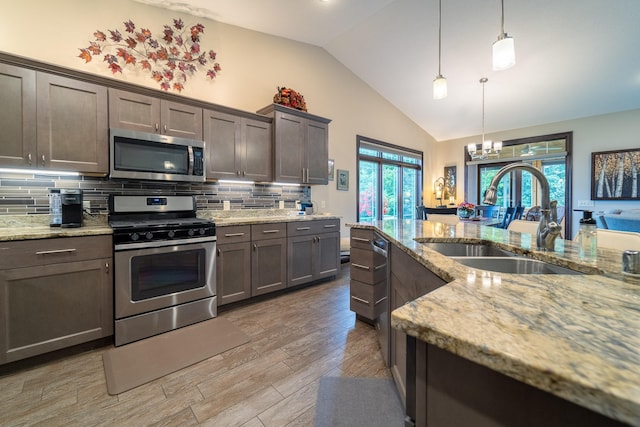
pixel 483 81
pixel 502 34
pixel 439 36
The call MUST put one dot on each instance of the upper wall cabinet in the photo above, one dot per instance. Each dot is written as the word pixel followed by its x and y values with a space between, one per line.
pixel 53 122
pixel 133 111
pixel 301 145
pixel 237 147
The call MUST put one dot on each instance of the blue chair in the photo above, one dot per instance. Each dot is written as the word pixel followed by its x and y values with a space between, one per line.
pixel 510 214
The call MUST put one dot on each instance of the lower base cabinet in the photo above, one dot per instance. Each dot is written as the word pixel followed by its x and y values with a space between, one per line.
pixel 233 273
pixel 58 300
pixel 268 266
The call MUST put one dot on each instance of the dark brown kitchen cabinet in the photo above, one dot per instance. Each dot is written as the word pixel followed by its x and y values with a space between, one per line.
pixel 409 280
pixel 17 115
pixel 55 293
pixel 313 250
pixel 301 145
pixel 133 111
pixel 368 287
pixel 269 258
pixel 70 118
pixel 233 264
pixel 238 147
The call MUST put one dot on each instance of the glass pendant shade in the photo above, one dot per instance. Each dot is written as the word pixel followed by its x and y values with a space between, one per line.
pixel 439 87
pixel 504 53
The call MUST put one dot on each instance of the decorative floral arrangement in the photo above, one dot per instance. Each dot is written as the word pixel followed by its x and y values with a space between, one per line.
pixel 169 59
pixel 466 207
pixel 290 98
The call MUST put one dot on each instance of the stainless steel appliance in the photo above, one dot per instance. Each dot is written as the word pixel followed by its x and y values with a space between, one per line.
pixel 71 207
pixel 142 155
pixel 164 265
pixel 380 245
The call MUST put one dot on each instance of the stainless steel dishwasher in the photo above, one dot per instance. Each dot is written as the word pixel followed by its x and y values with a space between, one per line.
pixel 380 245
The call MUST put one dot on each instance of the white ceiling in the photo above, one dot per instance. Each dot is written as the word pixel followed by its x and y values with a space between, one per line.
pixel 575 58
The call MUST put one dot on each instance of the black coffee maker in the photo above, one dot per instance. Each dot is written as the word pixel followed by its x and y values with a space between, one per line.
pixel 71 201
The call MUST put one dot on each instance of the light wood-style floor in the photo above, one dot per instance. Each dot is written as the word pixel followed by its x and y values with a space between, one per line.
pixel 296 338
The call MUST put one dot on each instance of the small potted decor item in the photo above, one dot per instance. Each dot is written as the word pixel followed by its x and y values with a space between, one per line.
pixel 466 210
pixel 290 98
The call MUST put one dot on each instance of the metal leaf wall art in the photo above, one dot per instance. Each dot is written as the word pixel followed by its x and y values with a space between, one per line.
pixel 170 59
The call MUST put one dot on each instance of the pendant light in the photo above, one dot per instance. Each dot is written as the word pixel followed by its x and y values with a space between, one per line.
pixel 487 147
pixel 439 83
pixel 504 51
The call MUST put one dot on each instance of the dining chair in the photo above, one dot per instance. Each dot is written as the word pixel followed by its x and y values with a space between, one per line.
pixel 508 217
pixel 421 212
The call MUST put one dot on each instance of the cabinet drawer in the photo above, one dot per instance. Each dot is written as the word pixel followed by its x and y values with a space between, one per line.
pixel 367 258
pixel 361 238
pixel 367 273
pixel 368 300
pixel 26 253
pixel 233 234
pixel 304 228
pixel 268 231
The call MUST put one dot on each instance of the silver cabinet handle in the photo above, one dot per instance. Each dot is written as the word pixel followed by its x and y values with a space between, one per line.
pixel 157 127
pixel 302 228
pixel 165 128
pixel 330 226
pixel 234 235
pixel 269 231
pixel 360 266
pixel 30 159
pixel 218 250
pixel 379 267
pixel 57 251
pixel 380 300
pixel 255 247
pixel 43 160
pixel 360 239
pixel 237 173
pixel 364 301
pixel 106 267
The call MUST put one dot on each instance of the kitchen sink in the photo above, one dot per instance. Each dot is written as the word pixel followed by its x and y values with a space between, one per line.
pixel 513 265
pixel 467 249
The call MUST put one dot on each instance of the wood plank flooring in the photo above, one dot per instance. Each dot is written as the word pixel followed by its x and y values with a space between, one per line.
pixel 296 338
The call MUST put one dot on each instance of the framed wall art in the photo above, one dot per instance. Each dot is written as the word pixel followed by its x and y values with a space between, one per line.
pixel 450 182
pixel 614 175
pixel 343 180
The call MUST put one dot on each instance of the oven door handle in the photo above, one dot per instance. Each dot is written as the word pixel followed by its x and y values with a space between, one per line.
pixel 163 243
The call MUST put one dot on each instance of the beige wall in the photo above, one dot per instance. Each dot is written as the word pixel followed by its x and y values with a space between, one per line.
pixel 598 133
pixel 253 65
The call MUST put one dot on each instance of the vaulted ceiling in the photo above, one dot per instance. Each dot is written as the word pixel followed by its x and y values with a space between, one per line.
pixel 575 58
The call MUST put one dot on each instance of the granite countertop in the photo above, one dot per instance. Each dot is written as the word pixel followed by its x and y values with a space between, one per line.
pixel 27 227
pixel 261 216
pixel 575 336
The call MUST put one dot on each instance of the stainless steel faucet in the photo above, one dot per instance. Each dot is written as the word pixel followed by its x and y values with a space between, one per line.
pixel 548 228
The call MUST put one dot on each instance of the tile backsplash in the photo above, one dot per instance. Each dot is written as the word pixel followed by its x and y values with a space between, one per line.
pixel 22 194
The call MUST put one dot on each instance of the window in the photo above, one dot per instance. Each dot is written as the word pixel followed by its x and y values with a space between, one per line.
pixel 389 180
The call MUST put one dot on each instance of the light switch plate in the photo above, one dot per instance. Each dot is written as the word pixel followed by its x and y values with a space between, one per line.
pixel 585 203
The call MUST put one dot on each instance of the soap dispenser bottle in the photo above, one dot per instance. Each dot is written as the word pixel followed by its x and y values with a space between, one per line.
pixel 588 237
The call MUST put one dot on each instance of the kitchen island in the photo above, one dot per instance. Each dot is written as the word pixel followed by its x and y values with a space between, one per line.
pixel 573 337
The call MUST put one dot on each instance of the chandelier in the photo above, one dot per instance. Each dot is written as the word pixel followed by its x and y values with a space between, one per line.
pixel 487 147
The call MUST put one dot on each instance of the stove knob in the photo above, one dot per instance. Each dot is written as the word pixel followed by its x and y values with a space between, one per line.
pixel 149 235
pixel 171 233
pixel 134 236
pixel 202 231
pixel 191 232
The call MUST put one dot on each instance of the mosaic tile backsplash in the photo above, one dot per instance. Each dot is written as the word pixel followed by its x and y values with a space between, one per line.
pixel 22 194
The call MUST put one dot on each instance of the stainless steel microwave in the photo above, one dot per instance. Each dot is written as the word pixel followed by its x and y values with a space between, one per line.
pixel 150 156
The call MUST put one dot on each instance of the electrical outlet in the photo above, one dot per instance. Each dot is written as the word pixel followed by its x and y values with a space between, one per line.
pixel 226 205
pixel 585 203
pixel 281 204
pixel 323 204
pixel 86 205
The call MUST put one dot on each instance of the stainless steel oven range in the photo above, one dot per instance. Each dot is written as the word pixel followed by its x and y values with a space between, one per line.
pixel 164 265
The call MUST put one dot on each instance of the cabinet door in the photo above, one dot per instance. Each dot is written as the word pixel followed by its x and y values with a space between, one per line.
pixel 17 115
pixel 289 147
pixel 72 125
pixel 268 266
pixel 55 306
pixel 132 111
pixel 317 153
pixel 184 121
pixel 327 255
pixel 233 272
pixel 300 260
pixel 222 137
pixel 257 151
